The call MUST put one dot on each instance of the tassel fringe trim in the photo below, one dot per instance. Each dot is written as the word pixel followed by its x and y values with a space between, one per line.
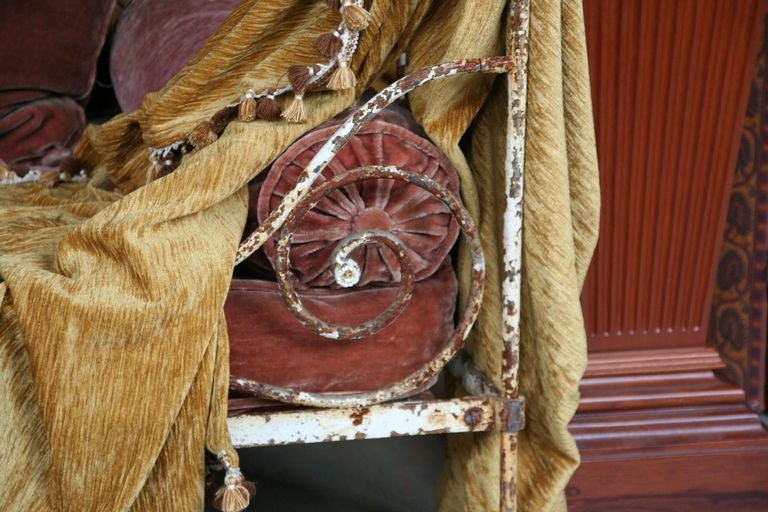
pixel 342 78
pixel 338 46
pixel 355 17
pixel 296 112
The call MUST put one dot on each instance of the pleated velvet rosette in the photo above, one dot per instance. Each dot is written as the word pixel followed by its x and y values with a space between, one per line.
pixel 423 224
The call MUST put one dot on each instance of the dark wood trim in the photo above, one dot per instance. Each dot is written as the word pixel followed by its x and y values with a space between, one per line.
pixel 642 362
pixel 705 458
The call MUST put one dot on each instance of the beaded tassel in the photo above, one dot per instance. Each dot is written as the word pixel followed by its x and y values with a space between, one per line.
pixel 202 135
pixel 299 76
pixel 342 77
pixel 328 45
pixel 337 46
pixel 296 111
pixel 222 118
pixel 246 111
pixel 267 107
pixel 355 17
pixel 236 493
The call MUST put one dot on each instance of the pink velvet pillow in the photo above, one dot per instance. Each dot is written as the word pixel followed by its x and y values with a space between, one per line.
pixel 154 39
pixel 423 223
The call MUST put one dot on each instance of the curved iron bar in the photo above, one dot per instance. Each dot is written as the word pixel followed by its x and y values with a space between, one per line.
pixel 455 341
pixel 345 269
pixel 351 126
pixel 301 191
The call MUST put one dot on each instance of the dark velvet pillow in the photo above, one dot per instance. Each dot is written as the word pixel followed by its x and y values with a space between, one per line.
pixel 48 52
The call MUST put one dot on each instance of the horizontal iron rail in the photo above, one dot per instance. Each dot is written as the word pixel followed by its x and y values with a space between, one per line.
pixel 393 419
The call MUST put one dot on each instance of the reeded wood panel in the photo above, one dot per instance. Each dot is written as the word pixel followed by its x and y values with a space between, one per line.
pixel 669 85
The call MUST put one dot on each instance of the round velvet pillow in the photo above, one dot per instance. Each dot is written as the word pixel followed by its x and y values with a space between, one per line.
pixel 422 222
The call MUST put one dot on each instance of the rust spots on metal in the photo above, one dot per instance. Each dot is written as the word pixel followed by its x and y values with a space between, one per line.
pixel 338 332
pixel 473 416
pixel 341 263
pixel 358 415
pixel 352 125
pixel 512 416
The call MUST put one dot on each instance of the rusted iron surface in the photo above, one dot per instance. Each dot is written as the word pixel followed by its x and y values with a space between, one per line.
pixel 425 373
pixel 517 84
pixel 406 418
pixel 350 127
pixel 387 420
pixel 474 381
pixel 346 269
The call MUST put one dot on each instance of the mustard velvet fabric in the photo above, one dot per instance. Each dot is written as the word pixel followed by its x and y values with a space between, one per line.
pixel 114 352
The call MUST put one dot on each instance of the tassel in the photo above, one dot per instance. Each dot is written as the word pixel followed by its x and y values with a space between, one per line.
pixel 7 176
pixel 247 110
pixel 342 78
pixel 328 45
pixel 236 493
pixel 202 135
pixel 333 4
pixel 267 107
pixel 299 76
pixel 296 113
pixel 222 118
pixel 70 166
pixel 355 17
pixel 49 179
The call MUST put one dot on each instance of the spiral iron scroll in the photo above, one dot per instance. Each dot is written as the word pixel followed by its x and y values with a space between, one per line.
pixel 345 269
pixel 302 199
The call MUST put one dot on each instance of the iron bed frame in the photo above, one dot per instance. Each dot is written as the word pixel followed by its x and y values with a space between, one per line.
pixel 384 413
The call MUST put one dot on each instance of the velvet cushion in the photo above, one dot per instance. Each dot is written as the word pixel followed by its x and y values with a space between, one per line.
pixel 423 223
pixel 37 128
pixel 48 54
pixel 52 46
pixel 268 345
pixel 154 39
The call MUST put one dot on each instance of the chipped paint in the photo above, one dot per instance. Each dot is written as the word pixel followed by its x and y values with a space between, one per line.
pixel 500 410
pixel 423 375
pixel 350 127
pixel 406 418
pixel 517 85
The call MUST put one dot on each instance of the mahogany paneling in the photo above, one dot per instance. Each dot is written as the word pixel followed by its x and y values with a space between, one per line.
pixel 658 428
pixel 670 83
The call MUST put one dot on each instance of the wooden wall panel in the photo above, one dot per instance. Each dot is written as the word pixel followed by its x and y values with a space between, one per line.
pixel 657 427
pixel 670 82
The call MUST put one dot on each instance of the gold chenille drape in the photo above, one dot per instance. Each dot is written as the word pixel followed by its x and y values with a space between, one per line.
pixel 113 345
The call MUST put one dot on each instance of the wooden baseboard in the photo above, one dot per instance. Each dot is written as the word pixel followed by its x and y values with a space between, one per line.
pixel 701 458
pixel 667 440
